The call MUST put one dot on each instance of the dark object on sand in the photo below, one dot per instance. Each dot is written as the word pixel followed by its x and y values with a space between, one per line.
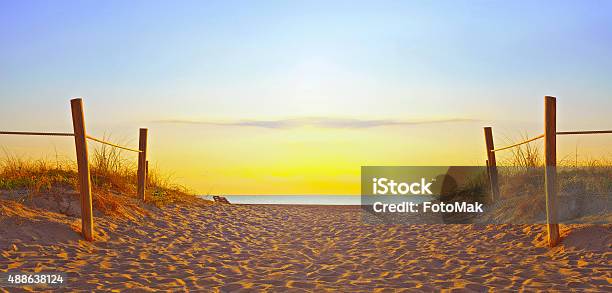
pixel 221 199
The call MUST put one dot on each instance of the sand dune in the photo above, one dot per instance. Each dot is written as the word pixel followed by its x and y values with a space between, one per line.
pixel 298 248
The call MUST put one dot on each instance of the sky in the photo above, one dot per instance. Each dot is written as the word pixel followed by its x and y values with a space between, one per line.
pixel 292 97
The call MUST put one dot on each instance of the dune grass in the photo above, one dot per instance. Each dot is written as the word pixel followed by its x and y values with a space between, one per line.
pixel 521 181
pixel 523 172
pixel 113 178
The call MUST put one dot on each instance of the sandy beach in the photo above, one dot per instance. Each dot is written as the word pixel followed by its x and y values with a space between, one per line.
pixel 306 146
pixel 297 248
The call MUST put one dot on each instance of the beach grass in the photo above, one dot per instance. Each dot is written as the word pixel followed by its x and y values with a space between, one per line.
pixel 521 183
pixel 113 178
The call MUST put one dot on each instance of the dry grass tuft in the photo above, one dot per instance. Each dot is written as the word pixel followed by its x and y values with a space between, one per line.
pixel 522 179
pixel 111 170
pixel 36 176
pixel 527 155
pixel 113 176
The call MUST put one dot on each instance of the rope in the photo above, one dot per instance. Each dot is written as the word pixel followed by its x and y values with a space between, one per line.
pixel 517 144
pixel 558 133
pixel 114 145
pixel 584 132
pixel 37 133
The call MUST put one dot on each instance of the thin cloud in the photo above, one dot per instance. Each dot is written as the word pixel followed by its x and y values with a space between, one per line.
pixel 321 122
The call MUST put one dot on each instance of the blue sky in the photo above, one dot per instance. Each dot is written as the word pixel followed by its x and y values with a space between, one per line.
pixel 232 56
pixel 141 62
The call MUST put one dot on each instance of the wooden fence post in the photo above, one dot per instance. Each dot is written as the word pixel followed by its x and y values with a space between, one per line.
pixel 142 159
pixel 80 140
pixel 147 171
pixel 491 164
pixel 550 149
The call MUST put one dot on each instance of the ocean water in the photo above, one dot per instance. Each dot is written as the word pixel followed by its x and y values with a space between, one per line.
pixel 294 199
pixel 299 199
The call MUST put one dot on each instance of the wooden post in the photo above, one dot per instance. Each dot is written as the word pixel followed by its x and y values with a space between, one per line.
pixel 80 140
pixel 142 159
pixel 491 164
pixel 487 169
pixel 550 181
pixel 147 171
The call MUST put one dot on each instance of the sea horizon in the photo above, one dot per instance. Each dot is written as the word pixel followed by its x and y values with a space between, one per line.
pixel 300 199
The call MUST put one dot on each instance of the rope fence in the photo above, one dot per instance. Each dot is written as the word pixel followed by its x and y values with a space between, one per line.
pixel 518 144
pixel 550 159
pixel 584 132
pixel 37 133
pixel 113 145
pixel 80 140
pixel 558 133
pixel 68 134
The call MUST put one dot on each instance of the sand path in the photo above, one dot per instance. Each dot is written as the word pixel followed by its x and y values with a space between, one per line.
pixel 301 248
